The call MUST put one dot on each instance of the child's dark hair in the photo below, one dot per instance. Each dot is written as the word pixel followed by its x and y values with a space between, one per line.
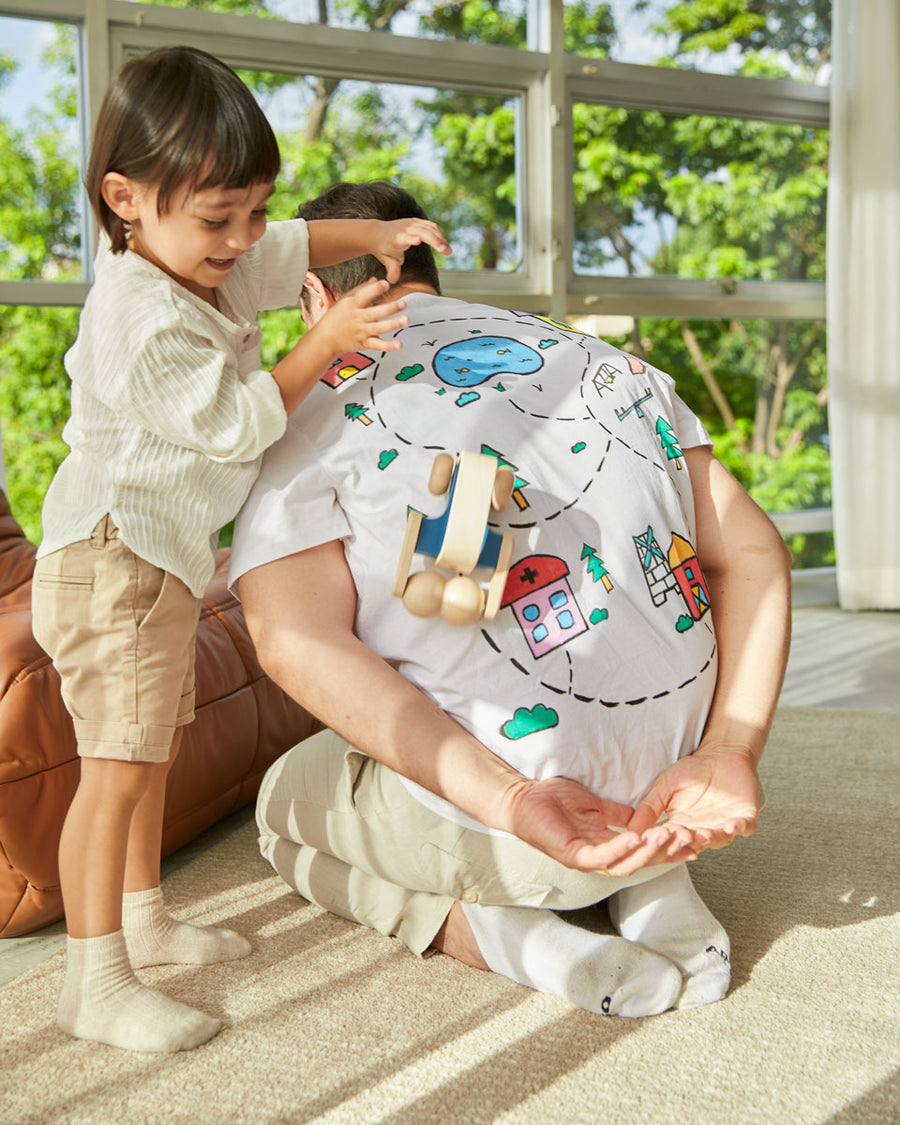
pixel 178 116
pixel 375 200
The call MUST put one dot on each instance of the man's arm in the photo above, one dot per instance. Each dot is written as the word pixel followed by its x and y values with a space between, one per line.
pixel 715 791
pixel 300 612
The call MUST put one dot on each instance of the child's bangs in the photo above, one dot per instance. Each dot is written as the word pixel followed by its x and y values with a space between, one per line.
pixel 225 148
pixel 239 157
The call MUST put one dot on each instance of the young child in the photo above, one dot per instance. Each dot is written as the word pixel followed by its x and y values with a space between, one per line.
pixel 171 413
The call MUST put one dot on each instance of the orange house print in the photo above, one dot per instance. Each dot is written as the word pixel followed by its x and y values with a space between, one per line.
pixel 687 573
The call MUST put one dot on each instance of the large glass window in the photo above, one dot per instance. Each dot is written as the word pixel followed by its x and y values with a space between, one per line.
pixel 758 38
pixel 454 150
pixel 34 403
pixel 697 197
pixel 40 197
pixel 692 202
pixel 41 240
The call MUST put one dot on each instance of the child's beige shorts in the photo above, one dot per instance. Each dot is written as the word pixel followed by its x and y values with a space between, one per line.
pixel 121 633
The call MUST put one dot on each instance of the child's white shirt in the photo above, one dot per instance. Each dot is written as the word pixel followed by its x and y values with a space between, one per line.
pixel 171 410
pixel 601 665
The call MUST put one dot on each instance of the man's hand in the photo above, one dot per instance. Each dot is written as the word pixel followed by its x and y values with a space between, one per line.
pixel 714 794
pixel 585 832
pixel 395 238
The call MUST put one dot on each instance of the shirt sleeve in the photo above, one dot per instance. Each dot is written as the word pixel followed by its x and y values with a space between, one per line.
pixel 292 506
pixel 687 425
pixel 282 263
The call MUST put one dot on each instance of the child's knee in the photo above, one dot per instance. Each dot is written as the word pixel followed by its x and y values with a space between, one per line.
pixel 111 782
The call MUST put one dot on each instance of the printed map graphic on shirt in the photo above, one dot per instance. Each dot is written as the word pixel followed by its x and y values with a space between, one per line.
pixel 601 662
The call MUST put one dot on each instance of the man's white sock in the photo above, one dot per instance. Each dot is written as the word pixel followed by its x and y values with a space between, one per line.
pixel 154 937
pixel 668 916
pixel 599 972
pixel 103 1000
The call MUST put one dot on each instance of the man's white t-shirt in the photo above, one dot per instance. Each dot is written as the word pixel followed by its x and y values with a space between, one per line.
pixel 601 663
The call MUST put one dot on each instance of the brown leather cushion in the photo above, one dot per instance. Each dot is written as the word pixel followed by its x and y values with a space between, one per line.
pixel 243 723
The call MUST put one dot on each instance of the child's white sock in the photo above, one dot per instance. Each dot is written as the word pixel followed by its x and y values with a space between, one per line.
pixel 668 916
pixel 103 1000
pixel 154 937
pixel 600 972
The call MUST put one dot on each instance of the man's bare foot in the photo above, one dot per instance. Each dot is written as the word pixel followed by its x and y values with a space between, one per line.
pixel 455 938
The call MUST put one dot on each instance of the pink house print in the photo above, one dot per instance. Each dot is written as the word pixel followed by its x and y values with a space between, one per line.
pixel 539 595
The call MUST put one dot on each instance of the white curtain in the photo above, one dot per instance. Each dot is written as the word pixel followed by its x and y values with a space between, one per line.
pixel 864 301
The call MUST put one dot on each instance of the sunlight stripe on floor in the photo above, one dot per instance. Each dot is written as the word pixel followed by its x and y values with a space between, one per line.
pixel 444 1065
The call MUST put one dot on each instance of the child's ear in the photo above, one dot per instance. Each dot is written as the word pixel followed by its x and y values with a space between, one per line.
pixel 121 195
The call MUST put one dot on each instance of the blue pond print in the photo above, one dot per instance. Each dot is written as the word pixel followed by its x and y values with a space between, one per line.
pixel 467 363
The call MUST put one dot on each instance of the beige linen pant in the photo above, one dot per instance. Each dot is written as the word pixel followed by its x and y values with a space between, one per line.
pixel 344 832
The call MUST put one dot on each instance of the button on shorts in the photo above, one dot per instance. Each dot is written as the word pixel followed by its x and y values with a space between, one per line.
pixel 122 635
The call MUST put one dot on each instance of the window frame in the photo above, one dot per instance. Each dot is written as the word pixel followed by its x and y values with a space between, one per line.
pixel 546 80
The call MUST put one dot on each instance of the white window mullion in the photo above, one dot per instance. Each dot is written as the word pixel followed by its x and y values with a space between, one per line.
pixel 685 92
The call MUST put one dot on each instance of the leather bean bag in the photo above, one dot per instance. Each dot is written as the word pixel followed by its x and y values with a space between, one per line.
pixel 243 723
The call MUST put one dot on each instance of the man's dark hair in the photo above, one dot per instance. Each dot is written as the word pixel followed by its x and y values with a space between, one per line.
pixel 178 116
pixel 376 200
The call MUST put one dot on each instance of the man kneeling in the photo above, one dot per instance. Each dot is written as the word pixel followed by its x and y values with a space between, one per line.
pixel 578 746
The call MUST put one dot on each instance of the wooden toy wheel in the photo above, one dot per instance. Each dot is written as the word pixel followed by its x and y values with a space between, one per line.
pixel 424 593
pixel 441 474
pixel 504 484
pixel 463 601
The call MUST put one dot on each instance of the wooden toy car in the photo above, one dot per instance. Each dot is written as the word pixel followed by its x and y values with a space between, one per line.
pixel 459 540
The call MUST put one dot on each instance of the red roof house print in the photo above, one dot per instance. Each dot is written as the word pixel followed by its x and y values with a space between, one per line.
pixel 539 595
pixel 345 367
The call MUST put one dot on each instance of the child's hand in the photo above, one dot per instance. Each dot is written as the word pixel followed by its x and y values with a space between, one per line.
pixel 394 238
pixel 353 323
